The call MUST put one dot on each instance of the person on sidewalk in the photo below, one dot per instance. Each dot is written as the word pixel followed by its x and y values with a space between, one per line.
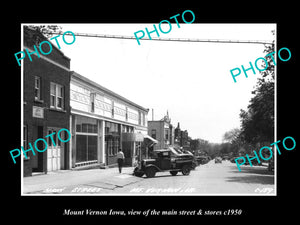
pixel 120 158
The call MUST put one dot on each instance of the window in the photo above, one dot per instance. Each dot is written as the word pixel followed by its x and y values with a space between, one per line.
pixel 25 135
pixel 112 138
pixel 86 125
pixel 166 135
pixel 153 133
pixel 93 102
pixel 37 88
pixel 144 119
pixel 56 96
pixel 140 118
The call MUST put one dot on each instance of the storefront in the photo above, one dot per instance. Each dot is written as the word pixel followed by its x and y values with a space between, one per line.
pixel 86 140
pixel 112 141
pixel 100 120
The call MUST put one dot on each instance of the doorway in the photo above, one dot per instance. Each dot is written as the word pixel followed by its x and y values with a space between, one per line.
pixel 55 151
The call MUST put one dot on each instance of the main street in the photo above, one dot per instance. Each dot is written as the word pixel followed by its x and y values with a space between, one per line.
pixel 209 179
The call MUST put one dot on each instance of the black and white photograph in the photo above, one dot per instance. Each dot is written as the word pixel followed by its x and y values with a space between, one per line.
pixel 157 115
pixel 127 114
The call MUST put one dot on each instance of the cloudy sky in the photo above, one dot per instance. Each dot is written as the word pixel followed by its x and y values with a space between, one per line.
pixel 190 80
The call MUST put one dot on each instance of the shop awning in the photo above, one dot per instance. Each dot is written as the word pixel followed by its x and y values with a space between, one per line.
pixel 150 138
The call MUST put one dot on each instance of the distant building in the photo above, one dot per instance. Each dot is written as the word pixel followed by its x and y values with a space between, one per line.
pixel 163 131
pixel 181 137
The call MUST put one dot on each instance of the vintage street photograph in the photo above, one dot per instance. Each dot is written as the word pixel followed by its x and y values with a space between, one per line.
pixel 171 108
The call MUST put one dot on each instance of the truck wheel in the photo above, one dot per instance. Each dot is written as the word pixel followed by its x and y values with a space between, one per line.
pixel 138 173
pixel 150 172
pixel 186 170
pixel 174 173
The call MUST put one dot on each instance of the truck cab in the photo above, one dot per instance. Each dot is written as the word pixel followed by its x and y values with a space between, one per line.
pixel 164 160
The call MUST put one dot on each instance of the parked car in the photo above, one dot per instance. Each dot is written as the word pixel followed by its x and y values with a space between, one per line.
pixel 164 160
pixel 254 162
pixel 177 152
pixel 218 160
pixel 225 157
pixel 271 165
pixel 202 159
pixel 233 159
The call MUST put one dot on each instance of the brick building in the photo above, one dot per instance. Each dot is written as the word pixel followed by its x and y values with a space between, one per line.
pixel 100 121
pixel 163 131
pixel 181 138
pixel 46 107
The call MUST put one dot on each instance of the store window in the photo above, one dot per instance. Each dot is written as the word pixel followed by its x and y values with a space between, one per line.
pixel 86 139
pixel 112 138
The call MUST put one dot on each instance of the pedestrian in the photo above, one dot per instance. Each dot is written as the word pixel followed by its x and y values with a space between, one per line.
pixel 120 158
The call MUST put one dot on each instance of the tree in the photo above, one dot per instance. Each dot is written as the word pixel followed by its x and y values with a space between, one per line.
pixel 232 135
pixel 257 122
pixel 46 30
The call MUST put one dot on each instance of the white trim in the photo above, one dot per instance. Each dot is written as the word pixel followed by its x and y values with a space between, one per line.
pixel 85 133
pixel 48 60
pixel 100 117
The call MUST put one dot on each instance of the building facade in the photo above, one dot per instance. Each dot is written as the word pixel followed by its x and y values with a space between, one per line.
pixel 46 108
pixel 101 123
pixel 163 131
pixel 181 138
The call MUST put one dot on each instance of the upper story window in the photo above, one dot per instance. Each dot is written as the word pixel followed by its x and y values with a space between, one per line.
pixel 153 133
pixel 37 88
pixel 56 96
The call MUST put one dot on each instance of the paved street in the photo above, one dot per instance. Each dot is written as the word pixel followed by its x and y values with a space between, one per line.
pixel 208 179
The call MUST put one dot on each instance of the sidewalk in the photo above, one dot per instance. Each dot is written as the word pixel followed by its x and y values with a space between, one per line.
pixel 78 182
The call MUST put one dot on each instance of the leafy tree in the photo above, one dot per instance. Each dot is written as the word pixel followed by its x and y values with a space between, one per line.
pixel 232 135
pixel 257 122
pixel 46 30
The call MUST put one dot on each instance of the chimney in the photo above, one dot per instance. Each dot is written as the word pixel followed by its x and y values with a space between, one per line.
pixel 152 114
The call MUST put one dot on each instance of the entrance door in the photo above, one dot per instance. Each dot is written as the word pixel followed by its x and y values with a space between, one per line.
pixel 54 151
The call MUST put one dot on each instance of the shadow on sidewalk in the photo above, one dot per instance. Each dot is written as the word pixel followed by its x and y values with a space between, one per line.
pixel 256 175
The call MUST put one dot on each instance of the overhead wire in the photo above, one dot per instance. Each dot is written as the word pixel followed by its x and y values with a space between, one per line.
pixel 165 39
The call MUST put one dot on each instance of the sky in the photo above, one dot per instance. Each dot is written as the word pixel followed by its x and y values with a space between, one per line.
pixel 191 81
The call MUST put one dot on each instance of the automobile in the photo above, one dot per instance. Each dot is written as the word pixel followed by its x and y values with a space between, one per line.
pixel 218 160
pixel 162 161
pixel 180 152
pixel 225 157
pixel 234 158
pixel 202 159
pixel 253 162
pixel 271 165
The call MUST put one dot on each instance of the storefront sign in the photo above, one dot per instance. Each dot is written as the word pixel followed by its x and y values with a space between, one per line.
pixel 138 137
pixel 37 112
